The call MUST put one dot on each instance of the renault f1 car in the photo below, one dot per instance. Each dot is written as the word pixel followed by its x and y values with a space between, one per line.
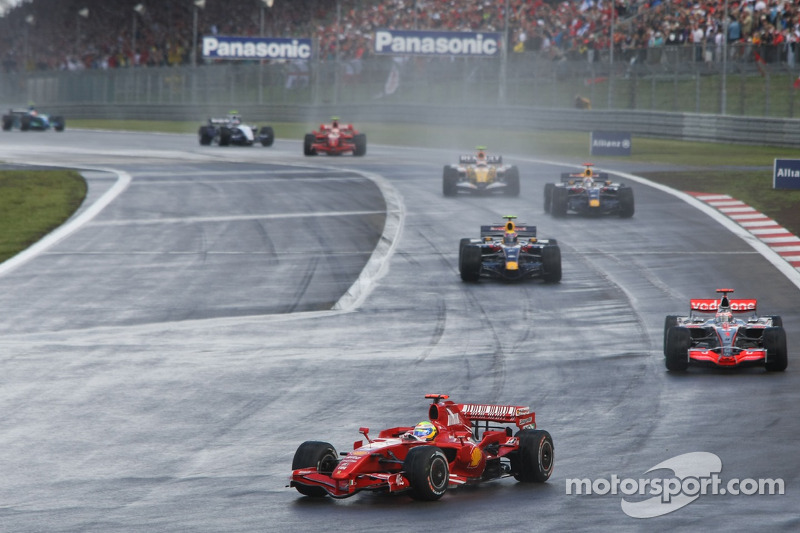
pixel 509 252
pixel 231 130
pixel 335 139
pixel 31 120
pixel 588 193
pixel 480 174
pixel 725 333
pixel 459 444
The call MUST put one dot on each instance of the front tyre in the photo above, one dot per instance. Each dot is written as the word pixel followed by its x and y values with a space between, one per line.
pixel 669 322
pixel 551 263
pixel 775 343
pixel 315 454
pixel 308 144
pixel 533 462
pixel 266 135
pixel 449 181
pixel 470 260
pixel 427 472
pixel 626 207
pixel 548 196
pixel 676 349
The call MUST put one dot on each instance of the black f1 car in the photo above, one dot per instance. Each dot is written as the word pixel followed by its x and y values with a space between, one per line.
pixel 510 252
pixel 31 120
pixel 726 333
pixel 480 173
pixel 231 130
pixel 588 193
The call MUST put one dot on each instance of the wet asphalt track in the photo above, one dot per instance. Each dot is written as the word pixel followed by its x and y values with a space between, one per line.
pixel 160 364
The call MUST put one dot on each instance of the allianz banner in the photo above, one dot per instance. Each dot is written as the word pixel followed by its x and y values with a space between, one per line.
pixel 610 143
pixel 786 174
pixel 438 43
pixel 220 47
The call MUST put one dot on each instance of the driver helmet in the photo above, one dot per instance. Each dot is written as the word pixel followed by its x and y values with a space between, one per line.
pixel 425 431
pixel 724 316
pixel 588 182
pixel 510 238
pixel 480 157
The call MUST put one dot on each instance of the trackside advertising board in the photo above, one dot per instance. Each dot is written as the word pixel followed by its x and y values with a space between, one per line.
pixel 220 47
pixel 610 143
pixel 786 174
pixel 438 43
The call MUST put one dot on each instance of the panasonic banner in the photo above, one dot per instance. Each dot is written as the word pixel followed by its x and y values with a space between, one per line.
pixel 786 174
pixel 610 143
pixel 219 47
pixel 438 43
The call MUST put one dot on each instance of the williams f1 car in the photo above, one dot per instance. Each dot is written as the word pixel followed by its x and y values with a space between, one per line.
pixel 588 193
pixel 726 333
pixel 335 139
pixel 459 444
pixel 231 130
pixel 480 173
pixel 31 120
pixel 510 252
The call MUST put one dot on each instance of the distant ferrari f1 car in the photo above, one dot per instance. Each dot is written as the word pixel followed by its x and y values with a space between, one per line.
pixel 511 252
pixel 480 173
pixel 588 193
pixel 459 444
pixel 31 120
pixel 335 139
pixel 231 130
pixel 726 333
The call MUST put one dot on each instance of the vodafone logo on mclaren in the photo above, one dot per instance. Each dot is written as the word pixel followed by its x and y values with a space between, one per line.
pixel 438 43
pixel 713 305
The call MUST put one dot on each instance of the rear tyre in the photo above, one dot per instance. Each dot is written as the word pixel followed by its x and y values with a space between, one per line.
pixel 512 182
pixel 676 349
pixel 266 135
pixel 315 454
pixel 533 462
pixel 548 196
pixel 626 207
pixel 25 123
pixel 58 123
pixel 558 205
pixel 224 136
pixel 470 263
pixel 360 141
pixel 466 241
pixel 427 472
pixel 8 122
pixel 775 343
pixel 449 182
pixel 206 135
pixel 777 321
pixel 551 264
pixel 670 321
pixel 308 144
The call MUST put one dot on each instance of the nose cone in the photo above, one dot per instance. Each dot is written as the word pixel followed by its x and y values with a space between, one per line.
pixel 512 265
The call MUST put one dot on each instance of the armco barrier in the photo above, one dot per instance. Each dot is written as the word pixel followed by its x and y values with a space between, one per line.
pixel 679 126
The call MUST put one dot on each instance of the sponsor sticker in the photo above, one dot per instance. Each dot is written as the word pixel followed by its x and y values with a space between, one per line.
pixel 219 47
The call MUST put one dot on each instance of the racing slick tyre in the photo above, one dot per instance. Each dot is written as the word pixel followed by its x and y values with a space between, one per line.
pixel 449 181
pixel 466 241
pixel 777 321
pixel 58 123
pixel 315 454
pixel 25 123
pixel 676 349
pixel 512 182
pixel 626 207
pixel 308 144
pixel 427 472
pixel 225 136
pixel 205 135
pixel 533 461
pixel 8 122
pixel 360 141
pixel 775 342
pixel 670 321
pixel 266 135
pixel 551 264
pixel 548 196
pixel 558 203
pixel 470 263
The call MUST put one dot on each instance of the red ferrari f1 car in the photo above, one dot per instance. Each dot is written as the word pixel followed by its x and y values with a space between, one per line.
pixel 725 333
pixel 335 139
pixel 460 444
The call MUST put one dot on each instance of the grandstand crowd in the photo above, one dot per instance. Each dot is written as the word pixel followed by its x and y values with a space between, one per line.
pixel 97 34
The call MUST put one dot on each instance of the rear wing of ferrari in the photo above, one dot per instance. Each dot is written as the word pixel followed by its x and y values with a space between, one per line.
pixel 518 415
pixel 498 230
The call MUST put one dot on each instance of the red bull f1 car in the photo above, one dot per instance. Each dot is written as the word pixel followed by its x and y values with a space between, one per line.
pixel 588 193
pixel 231 130
pixel 480 174
pixel 335 139
pixel 459 444
pixel 511 252
pixel 725 333
pixel 31 120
